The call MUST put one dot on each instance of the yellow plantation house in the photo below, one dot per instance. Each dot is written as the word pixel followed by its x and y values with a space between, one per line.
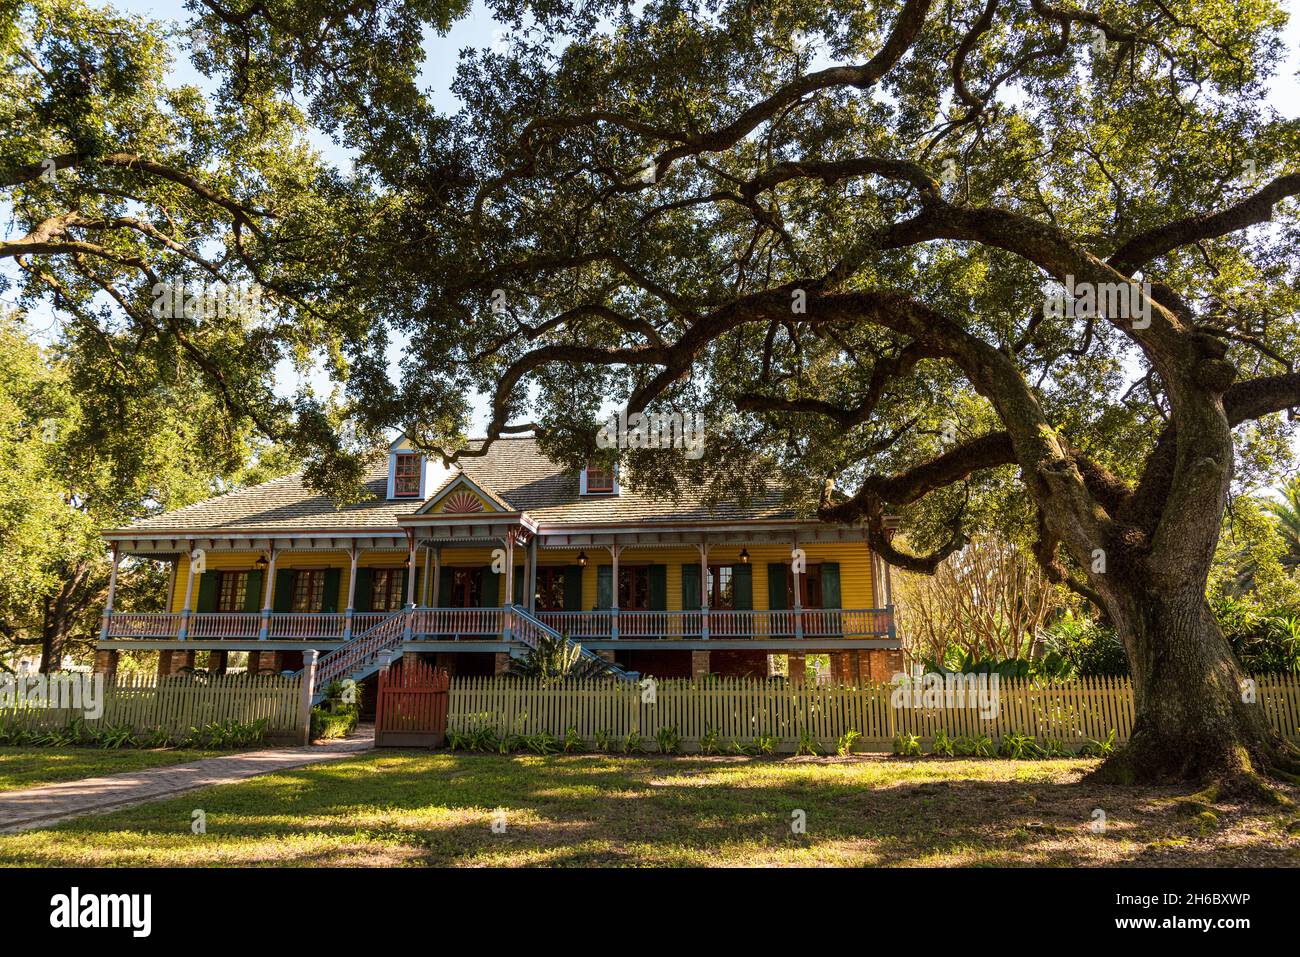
pixel 472 564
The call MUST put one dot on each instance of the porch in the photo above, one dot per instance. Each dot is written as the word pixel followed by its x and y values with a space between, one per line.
pixel 608 628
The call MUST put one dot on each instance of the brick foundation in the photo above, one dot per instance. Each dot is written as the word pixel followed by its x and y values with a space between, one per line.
pixel 445 660
pixel 699 664
pixel 106 661
pixel 217 661
pixel 259 661
pixel 170 662
pixel 739 664
pixel 881 664
pixel 500 662
pixel 797 669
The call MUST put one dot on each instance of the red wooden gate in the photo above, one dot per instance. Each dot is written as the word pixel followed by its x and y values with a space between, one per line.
pixel 411 711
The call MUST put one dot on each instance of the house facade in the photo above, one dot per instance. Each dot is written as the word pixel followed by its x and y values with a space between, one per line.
pixel 469 565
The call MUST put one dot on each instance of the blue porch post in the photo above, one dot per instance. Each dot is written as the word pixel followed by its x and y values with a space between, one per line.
pixel 269 590
pixel 112 590
pixel 184 631
pixel 352 595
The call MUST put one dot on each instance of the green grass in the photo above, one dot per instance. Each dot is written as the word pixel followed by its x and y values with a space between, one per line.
pixel 31 767
pixel 408 808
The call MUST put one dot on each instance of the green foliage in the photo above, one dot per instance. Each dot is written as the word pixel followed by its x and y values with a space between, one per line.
pixel 1087 647
pixel 1099 749
pixel 542 743
pixel 1265 642
pixel 973 662
pixel 710 741
pixel 633 744
pixel 223 735
pixel 907 745
pixel 573 741
pixel 943 745
pixel 978 746
pixel 603 740
pixel 557 659
pixel 1021 747
pixel 844 744
pixel 807 743
pixel 669 741
pixel 326 723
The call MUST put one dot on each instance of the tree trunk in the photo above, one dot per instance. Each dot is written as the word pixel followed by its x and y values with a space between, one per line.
pixel 1195 716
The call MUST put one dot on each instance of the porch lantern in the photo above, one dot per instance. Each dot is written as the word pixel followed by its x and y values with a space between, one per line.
pixel 261 564
pixel 582 559
pixel 744 555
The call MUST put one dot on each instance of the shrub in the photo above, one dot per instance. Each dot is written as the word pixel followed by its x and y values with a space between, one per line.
pixel 331 724
pixel 977 747
pixel 573 741
pixel 942 744
pixel 807 744
pixel 1099 749
pixel 844 744
pixel 907 745
pixel 669 741
pixel 1020 747
pixel 710 743
pixel 633 744
pixel 1090 648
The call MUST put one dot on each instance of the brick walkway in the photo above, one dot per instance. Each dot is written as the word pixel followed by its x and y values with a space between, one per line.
pixel 51 803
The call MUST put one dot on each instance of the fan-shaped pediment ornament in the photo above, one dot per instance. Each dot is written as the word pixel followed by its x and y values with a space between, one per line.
pixel 462 502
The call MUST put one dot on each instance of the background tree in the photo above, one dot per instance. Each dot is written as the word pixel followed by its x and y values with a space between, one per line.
pixel 65 479
pixel 1287 513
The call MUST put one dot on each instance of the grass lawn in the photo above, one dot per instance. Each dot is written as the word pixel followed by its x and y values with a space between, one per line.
pixel 30 767
pixel 405 808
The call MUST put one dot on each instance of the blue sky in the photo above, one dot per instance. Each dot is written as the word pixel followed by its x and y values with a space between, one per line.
pixel 478 29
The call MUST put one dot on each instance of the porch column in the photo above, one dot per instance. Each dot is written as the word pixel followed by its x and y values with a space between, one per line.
pixel 798 592
pixel 348 612
pixel 269 591
pixel 428 572
pixel 437 574
pixel 410 583
pixel 509 598
pixel 531 584
pixel 112 590
pixel 614 551
pixel 704 590
pixel 183 633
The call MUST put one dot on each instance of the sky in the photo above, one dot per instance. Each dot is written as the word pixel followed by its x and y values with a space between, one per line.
pixel 478 29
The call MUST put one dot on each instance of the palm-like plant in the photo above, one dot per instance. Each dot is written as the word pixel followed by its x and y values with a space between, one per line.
pixel 557 659
pixel 1287 513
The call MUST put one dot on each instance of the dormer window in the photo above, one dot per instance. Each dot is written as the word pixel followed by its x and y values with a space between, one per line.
pixel 406 475
pixel 599 481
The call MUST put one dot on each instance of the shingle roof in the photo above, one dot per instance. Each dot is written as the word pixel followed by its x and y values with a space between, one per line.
pixel 513 468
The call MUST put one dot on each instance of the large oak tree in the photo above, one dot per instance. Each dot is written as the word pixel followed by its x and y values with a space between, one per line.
pixel 834 228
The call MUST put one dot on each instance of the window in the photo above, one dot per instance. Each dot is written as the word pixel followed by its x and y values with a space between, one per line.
pixel 466 588
pixel 550 589
pixel 722 589
pixel 386 590
pixel 232 590
pixel 634 587
pixel 811 582
pixel 406 476
pixel 599 481
pixel 308 590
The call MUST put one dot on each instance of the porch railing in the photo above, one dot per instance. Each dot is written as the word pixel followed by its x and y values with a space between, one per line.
pixel 455 623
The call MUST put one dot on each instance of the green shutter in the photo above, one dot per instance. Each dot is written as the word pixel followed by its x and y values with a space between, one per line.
pixel 365 589
pixel 777 596
pixel 691 586
pixel 658 583
pixel 253 590
pixel 742 583
pixel 491 589
pixel 329 598
pixel 830 584
pixel 604 586
pixel 283 600
pixel 208 591
pixel 573 588
pixel 444 586
pixel 519 585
